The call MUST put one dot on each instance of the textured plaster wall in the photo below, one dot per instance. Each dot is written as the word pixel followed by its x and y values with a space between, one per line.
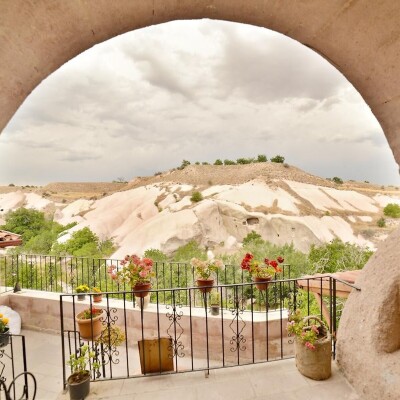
pixel 360 37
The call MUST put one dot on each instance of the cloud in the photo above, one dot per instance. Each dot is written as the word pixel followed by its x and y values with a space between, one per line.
pixel 274 67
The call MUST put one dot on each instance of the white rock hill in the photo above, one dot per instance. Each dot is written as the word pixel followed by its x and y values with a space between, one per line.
pixel 162 216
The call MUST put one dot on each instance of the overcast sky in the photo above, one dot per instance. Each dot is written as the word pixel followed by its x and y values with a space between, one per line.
pixel 195 90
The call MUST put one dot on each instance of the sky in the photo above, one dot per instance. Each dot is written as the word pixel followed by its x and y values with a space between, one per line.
pixel 195 90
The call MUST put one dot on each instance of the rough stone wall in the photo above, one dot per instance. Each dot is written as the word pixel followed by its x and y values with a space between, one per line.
pixel 368 349
pixel 360 37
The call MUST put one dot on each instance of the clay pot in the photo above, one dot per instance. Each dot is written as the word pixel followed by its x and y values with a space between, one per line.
pixel 97 298
pixel 141 289
pixel 261 283
pixel 89 329
pixel 205 282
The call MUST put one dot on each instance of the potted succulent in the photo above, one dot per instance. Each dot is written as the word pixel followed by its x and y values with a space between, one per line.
pixel 89 323
pixel 204 271
pixel 98 295
pixel 4 331
pixel 313 346
pixel 261 272
pixel 135 271
pixel 215 301
pixel 82 290
pixel 81 364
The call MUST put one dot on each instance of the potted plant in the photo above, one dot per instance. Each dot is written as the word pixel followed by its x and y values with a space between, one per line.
pixel 135 271
pixel 4 331
pixel 89 323
pixel 215 301
pixel 98 295
pixel 204 271
pixel 82 290
pixel 261 272
pixel 81 364
pixel 313 346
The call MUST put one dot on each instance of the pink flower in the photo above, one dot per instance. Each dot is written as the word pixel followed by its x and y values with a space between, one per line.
pixel 310 346
pixel 143 273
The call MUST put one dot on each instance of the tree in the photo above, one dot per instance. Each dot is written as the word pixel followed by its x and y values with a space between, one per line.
pixel 25 222
pixel 252 237
pixel 184 164
pixel 337 256
pixel 278 159
pixel 218 162
pixel 229 162
pixel 392 210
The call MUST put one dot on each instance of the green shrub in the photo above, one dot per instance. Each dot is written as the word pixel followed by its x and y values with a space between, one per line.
pixel 337 180
pixel 337 256
pixel 252 237
pixel 184 164
pixel 188 251
pixel 245 160
pixel 196 197
pixel 278 159
pixel 156 255
pixel 218 162
pixel 229 162
pixel 381 222
pixel 392 210
pixel 262 158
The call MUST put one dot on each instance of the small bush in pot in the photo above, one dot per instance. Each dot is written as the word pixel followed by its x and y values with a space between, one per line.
pixel 313 346
pixel 215 301
pixel 82 290
pixel 81 365
pixel 98 295
pixel 4 331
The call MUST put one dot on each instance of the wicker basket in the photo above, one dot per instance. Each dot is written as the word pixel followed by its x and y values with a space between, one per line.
pixel 315 364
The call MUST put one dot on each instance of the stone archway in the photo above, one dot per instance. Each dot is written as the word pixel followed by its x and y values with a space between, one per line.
pixel 360 38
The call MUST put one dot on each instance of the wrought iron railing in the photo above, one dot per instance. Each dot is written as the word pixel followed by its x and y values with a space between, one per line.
pixel 249 328
pixel 15 380
pixel 64 274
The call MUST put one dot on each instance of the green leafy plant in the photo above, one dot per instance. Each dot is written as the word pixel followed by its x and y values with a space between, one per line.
pixel 215 298
pixel 218 162
pixel 337 256
pixel 262 158
pixel 82 363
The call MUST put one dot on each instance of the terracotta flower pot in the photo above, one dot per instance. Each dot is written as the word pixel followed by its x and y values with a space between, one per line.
pixel 89 329
pixel 203 283
pixel 261 283
pixel 97 298
pixel 141 289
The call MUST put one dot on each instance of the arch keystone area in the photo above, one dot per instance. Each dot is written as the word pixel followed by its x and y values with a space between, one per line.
pixel 361 38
